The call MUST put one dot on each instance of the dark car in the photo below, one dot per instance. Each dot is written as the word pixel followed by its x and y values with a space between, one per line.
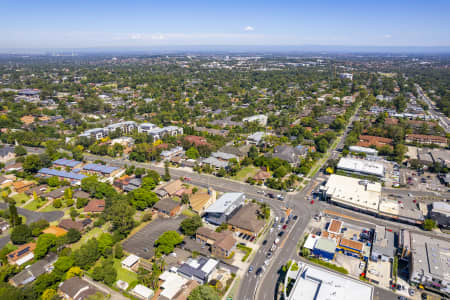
pixel 259 271
pixel 281 233
pixel 264 242
pixel 284 226
pixel 295 217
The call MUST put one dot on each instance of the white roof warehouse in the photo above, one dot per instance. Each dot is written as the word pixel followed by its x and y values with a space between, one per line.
pixel 361 166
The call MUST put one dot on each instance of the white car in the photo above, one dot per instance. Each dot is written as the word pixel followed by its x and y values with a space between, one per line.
pixel 362 265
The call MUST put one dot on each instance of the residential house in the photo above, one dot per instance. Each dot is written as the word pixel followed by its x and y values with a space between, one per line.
pixel 38 190
pixel 22 254
pixel 76 288
pixel 122 181
pixel 167 207
pixel 173 187
pixel 246 220
pixel 5 181
pixel 80 194
pixel 240 152
pixel 22 185
pixel 13 167
pixel 215 163
pixel 256 138
pixel 32 272
pixel 224 208
pixel 287 153
pixel 222 243
pixel 196 140
pixel 7 153
pixel 426 139
pixel 80 225
pixel 4 225
pixel 133 184
pixel 142 292
pixel 369 140
pixel 170 154
pixel 198 269
pixel 199 201
pixel 95 206
pixel 131 262
pixel 172 283
pixel 262 176
pixel 260 119
pixel 55 194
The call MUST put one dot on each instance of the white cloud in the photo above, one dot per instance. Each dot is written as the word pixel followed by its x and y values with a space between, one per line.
pixel 387 36
pixel 249 28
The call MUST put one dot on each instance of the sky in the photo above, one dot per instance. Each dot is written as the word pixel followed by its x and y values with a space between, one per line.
pixel 110 23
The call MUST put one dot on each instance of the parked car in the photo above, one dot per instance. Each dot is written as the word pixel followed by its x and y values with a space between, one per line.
pixel 259 271
pixel 264 242
pixel 250 269
pixel 295 217
pixel 284 226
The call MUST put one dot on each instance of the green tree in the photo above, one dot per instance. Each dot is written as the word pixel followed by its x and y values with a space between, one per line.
pixel 73 236
pixel 38 226
pixel 53 181
pixel 49 294
pixel 32 163
pixel 74 271
pixel 105 241
pixel 203 292
pixel 118 251
pixel 185 198
pixel 64 263
pixel 167 242
pixel 21 234
pixel 166 176
pixel 44 243
pixel 189 226
pixel 20 150
pixel 14 217
pixel 57 203
pixel 192 153
pixel 429 224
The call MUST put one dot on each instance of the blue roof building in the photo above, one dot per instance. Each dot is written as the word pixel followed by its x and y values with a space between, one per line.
pixel 97 168
pixel 46 172
pixel 67 163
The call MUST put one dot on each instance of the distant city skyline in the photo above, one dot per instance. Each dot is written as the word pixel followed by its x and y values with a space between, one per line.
pixel 105 24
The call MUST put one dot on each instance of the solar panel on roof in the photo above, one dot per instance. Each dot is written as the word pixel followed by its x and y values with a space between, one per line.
pixel 23 251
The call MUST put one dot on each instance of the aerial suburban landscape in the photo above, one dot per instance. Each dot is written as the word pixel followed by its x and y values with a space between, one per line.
pixel 222 172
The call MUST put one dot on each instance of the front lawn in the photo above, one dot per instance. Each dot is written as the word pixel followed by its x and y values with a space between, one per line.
pixel 20 198
pixel 246 172
pixel 188 213
pixel 124 274
pixel 94 232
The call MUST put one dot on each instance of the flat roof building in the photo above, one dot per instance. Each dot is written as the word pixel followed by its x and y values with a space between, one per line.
pixel 353 193
pixel 224 208
pixel 430 262
pixel 361 166
pixel 366 150
pixel 314 283
pixel 383 244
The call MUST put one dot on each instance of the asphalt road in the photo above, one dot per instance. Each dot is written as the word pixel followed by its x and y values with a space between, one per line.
pixel 444 122
pixel 32 216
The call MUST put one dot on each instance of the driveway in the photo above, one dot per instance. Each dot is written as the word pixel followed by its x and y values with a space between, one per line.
pixel 31 216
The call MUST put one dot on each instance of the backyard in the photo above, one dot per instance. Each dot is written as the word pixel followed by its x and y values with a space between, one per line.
pixel 246 172
pixel 124 274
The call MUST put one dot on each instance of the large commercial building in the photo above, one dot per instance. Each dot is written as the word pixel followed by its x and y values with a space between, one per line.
pixel 224 208
pixel 314 283
pixel 440 212
pixel 361 166
pixel 430 263
pixel 366 150
pixel 353 193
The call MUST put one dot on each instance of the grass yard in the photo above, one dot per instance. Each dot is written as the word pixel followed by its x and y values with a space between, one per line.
pixel 33 205
pixel 49 207
pixel 246 172
pixel 19 198
pixel 95 232
pixel 188 213
pixel 124 274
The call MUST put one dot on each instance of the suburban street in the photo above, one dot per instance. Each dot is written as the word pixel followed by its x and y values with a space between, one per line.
pixel 444 122
pixel 31 216
pixel 264 286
